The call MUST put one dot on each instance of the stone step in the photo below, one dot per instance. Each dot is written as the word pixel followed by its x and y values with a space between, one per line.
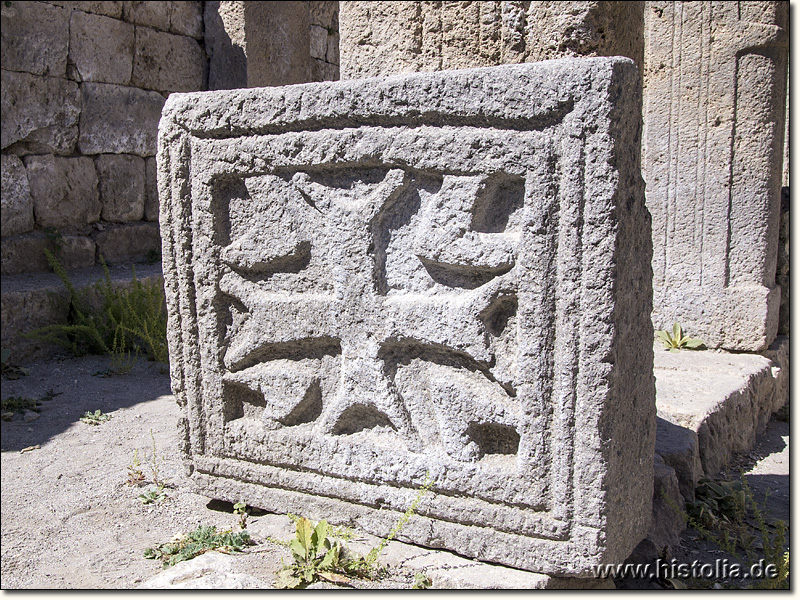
pixel 33 300
pixel 711 405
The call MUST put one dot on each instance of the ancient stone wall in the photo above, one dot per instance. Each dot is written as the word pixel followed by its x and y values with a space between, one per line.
pixel 715 92
pixel 253 44
pixel 441 275
pixel 379 38
pixel 83 84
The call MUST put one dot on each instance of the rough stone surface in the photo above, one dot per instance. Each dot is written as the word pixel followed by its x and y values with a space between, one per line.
pixel 64 192
pixel 40 114
pixel 209 571
pixel 118 119
pixel 225 43
pixel 25 253
pixel 122 186
pixel 186 18
pixel 443 275
pixel 380 38
pixel 152 14
pixel 726 399
pixel 16 215
pixel 714 82
pixel 131 242
pixel 150 190
pixel 101 48
pixel 282 56
pixel 668 507
pixel 34 37
pixel 109 9
pixel 168 62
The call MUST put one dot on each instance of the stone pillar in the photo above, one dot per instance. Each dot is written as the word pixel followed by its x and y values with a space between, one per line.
pixel 255 44
pixel 714 82
pixel 379 38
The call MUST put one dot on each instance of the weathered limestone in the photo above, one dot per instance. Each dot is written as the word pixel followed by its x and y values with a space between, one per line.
pixel 439 275
pixel 133 241
pixel 34 37
pixel 64 192
pixel 118 119
pixel 167 62
pixel 253 44
pixel 101 48
pixel 714 108
pixel 122 189
pixel 39 113
pixel 17 206
pixel 380 38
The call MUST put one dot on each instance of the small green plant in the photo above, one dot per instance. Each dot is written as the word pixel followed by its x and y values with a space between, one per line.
pixel 155 493
pixel 240 509
pixel 8 370
pixel 677 341
pixel 135 474
pixel 203 539
pixel 421 581
pixel 94 418
pixel 317 556
pixel 108 319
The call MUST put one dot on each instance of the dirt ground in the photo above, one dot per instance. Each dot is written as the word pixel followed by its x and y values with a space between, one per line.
pixel 70 519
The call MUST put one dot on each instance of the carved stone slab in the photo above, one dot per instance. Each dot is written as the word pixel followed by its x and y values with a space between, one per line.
pixel 445 276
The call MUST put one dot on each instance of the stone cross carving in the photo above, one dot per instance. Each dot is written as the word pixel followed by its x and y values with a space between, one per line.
pixel 372 283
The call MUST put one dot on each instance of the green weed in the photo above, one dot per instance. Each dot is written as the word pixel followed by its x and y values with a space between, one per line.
pixel 203 539
pixel 676 340
pixel 131 319
pixel 94 418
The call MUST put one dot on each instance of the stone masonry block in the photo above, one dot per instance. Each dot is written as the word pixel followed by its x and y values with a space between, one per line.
pixel 712 156
pixel 64 192
pixel 118 119
pixel 440 275
pixel 40 114
pixel 130 242
pixel 109 9
pixel 101 48
pixel 381 38
pixel 121 180
pixel 25 253
pixel 150 190
pixel 167 62
pixel 152 14
pixel 187 18
pixel 17 206
pixel 34 37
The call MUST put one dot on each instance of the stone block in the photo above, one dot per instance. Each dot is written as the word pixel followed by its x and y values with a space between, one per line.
pixel 119 120
pixel 445 276
pixel 16 215
pixel 64 192
pixel 225 42
pixel 25 253
pixel 278 42
pixel 152 14
pixel 726 399
pixel 40 114
pixel 168 62
pixel 121 180
pixel 34 37
pixel 186 18
pixel 318 42
pixel 150 190
pixel 109 9
pixel 380 38
pixel 101 48
pixel 712 157
pixel 129 243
